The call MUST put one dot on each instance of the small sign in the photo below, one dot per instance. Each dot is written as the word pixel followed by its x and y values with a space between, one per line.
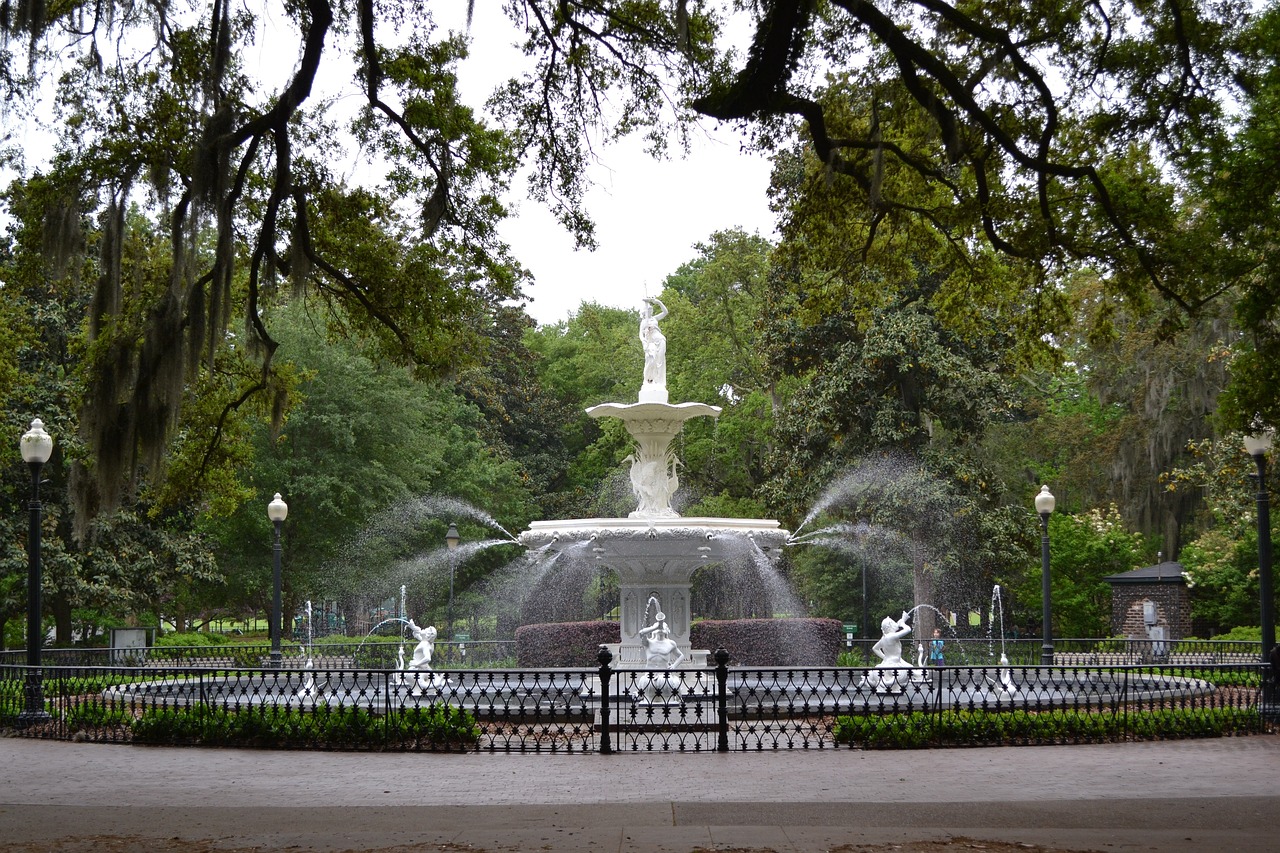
pixel 461 638
pixel 129 645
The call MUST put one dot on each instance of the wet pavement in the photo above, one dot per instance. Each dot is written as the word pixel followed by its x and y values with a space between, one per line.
pixel 1218 795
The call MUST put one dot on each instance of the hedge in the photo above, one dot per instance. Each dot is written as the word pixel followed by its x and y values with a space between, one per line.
pixel 919 729
pixel 772 642
pixel 750 642
pixel 563 643
pixel 267 726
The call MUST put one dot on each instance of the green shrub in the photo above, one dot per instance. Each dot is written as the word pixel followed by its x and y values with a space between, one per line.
pixel 249 657
pixel 772 642
pixel 1233 675
pixel 95 715
pixel 960 727
pixel 326 725
pixel 1241 633
pixel 563 643
pixel 854 658
pixel 193 638
pixel 376 654
pixel 180 645
pixel 12 700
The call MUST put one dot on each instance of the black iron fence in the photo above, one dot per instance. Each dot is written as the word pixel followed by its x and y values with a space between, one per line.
pixel 1109 651
pixel 345 654
pixel 602 709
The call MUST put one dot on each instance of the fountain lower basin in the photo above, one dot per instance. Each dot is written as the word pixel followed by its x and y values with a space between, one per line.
pixel 656 558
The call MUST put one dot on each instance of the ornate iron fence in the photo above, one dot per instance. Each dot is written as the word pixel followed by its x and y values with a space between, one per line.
pixel 346 654
pixel 1107 651
pixel 608 710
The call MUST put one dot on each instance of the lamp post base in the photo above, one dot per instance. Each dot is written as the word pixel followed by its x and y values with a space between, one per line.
pixel 33 713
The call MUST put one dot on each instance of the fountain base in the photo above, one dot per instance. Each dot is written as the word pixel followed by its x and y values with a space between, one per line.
pixel 656 558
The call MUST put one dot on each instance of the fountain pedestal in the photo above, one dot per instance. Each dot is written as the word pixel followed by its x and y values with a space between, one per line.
pixel 654 468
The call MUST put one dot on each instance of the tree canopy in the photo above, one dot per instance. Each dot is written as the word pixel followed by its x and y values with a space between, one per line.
pixel 1054 134
pixel 995 219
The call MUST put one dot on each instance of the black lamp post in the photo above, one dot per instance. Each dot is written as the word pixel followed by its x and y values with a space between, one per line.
pixel 1258 446
pixel 277 511
pixel 36 446
pixel 451 539
pixel 1045 503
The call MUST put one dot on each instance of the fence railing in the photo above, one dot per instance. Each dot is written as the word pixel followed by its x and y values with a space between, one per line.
pixel 602 709
pixel 370 654
pixel 381 653
pixel 1109 651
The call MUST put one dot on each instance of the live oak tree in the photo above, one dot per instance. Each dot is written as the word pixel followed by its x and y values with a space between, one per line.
pixel 1054 134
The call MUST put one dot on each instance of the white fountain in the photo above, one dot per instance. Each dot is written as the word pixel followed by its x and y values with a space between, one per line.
pixel 654 550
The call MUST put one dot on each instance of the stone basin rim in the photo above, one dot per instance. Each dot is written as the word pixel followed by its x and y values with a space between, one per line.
pixel 766 532
pixel 671 526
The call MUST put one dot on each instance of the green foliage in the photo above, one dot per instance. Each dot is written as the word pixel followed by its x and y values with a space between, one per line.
pixel 12 700
pixel 365 439
pixel 96 715
pixel 377 655
pixel 1221 561
pixel 191 639
pixel 918 729
pixel 1245 633
pixel 435 726
pixel 1244 196
pixel 1085 549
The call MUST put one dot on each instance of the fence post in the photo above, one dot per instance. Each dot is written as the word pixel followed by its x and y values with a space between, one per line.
pixel 722 699
pixel 605 657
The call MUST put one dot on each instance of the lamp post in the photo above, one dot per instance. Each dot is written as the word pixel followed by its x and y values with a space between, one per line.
pixel 451 539
pixel 1045 503
pixel 1258 446
pixel 37 445
pixel 277 511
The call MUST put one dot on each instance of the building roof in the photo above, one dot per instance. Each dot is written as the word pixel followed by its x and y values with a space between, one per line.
pixel 1169 571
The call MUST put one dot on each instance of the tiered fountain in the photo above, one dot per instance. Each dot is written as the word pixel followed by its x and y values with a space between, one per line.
pixel 655 553
pixel 654 550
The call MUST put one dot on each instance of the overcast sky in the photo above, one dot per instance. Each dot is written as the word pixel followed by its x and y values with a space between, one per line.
pixel 648 213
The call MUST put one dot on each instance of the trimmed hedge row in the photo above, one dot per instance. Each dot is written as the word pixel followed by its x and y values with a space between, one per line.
pixel 435 726
pixel 750 642
pixel 563 643
pixel 772 642
pixel 920 730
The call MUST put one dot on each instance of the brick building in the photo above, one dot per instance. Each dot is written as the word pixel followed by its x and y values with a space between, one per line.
pixel 1155 596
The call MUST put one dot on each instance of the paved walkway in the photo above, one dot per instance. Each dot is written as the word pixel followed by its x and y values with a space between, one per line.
pixel 1209 795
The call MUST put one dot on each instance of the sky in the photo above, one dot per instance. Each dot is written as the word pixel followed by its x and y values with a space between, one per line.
pixel 649 214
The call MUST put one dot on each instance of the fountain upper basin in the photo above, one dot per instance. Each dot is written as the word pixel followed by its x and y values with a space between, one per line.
pixel 692 541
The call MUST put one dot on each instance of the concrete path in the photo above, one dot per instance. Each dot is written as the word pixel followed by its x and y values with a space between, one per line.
pixel 1209 795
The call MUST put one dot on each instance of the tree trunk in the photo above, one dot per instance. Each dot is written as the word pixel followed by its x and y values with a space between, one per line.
pixel 922 590
pixel 61 620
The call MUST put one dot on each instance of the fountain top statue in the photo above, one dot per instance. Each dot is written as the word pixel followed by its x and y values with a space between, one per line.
pixel 654 388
